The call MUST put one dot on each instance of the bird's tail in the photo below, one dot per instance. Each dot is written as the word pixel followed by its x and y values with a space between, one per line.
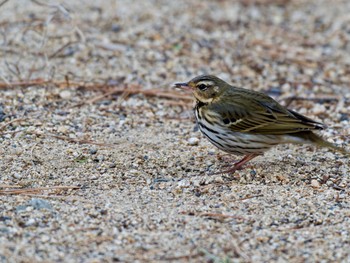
pixel 317 140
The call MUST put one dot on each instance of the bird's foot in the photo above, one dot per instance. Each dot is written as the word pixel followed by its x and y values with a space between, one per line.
pixel 238 165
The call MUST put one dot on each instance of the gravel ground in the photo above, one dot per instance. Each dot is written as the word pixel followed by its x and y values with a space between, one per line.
pixel 101 161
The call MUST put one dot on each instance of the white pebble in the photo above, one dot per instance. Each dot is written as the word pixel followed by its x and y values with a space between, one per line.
pixel 62 129
pixel 17 175
pixel 65 94
pixel 315 183
pixel 45 238
pixel 31 221
pixel 193 141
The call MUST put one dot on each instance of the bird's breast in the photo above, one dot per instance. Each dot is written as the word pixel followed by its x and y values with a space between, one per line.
pixel 238 143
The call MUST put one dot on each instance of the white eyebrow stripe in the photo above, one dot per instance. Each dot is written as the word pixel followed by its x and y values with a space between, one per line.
pixel 206 83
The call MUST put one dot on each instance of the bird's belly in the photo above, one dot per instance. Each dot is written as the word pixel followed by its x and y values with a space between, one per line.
pixel 237 143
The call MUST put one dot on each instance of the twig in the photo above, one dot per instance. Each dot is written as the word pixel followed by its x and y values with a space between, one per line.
pixel 149 93
pixel 124 95
pixel 223 216
pixel 33 190
pixel 16 71
pixel 212 215
pixel 61 84
pixel 58 7
pixel 248 197
pixel 318 98
pixel 10 122
pixel 187 257
pixel 96 239
pixel 264 2
pixel 98 86
pixel 62 197
pixel 65 138
pixel 4 79
pixel 108 93
pixel 24 83
pixel 54 54
pixel 3 2
pixel 9 186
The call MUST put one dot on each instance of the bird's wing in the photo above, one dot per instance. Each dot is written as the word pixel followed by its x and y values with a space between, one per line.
pixel 261 115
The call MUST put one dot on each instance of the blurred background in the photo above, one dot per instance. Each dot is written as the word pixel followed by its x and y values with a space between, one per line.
pixel 258 43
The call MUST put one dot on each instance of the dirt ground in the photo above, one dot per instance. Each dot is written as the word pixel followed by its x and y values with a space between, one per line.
pixel 101 160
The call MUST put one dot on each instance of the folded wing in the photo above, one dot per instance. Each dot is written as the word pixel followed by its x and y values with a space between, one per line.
pixel 265 116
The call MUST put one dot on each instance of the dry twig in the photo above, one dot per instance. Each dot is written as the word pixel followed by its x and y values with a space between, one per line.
pixel 65 138
pixel 317 98
pixel 187 257
pixel 133 90
pixel 34 190
pixel 212 215
pixel 3 2
pixel 248 197
pixel 9 186
pixel 10 122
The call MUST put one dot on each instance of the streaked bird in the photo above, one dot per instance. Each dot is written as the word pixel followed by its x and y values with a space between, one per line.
pixel 247 122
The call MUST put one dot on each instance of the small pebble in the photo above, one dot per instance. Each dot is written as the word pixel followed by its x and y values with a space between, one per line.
pixel 315 183
pixel 93 150
pixel 45 238
pixel 62 129
pixel 112 165
pixel 65 94
pixel 17 175
pixel 193 141
pixel 30 222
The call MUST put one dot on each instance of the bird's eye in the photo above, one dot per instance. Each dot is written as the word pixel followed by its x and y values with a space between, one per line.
pixel 202 87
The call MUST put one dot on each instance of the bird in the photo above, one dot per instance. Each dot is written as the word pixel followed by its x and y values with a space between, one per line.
pixel 246 122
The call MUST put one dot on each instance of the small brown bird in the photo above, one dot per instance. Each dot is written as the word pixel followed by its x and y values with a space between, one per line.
pixel 247 122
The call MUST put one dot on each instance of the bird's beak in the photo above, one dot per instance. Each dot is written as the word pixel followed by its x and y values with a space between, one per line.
pixel 183 86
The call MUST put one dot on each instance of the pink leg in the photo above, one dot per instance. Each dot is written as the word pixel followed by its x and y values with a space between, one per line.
pixel 238 165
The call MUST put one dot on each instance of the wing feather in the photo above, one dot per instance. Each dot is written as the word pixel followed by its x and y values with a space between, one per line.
pixel 263 116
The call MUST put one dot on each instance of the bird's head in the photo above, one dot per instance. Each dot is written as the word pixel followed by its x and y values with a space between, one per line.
pixel 205 88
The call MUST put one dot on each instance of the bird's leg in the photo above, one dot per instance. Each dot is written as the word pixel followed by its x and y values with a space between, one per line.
pixel 227 158
pixel 238 165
